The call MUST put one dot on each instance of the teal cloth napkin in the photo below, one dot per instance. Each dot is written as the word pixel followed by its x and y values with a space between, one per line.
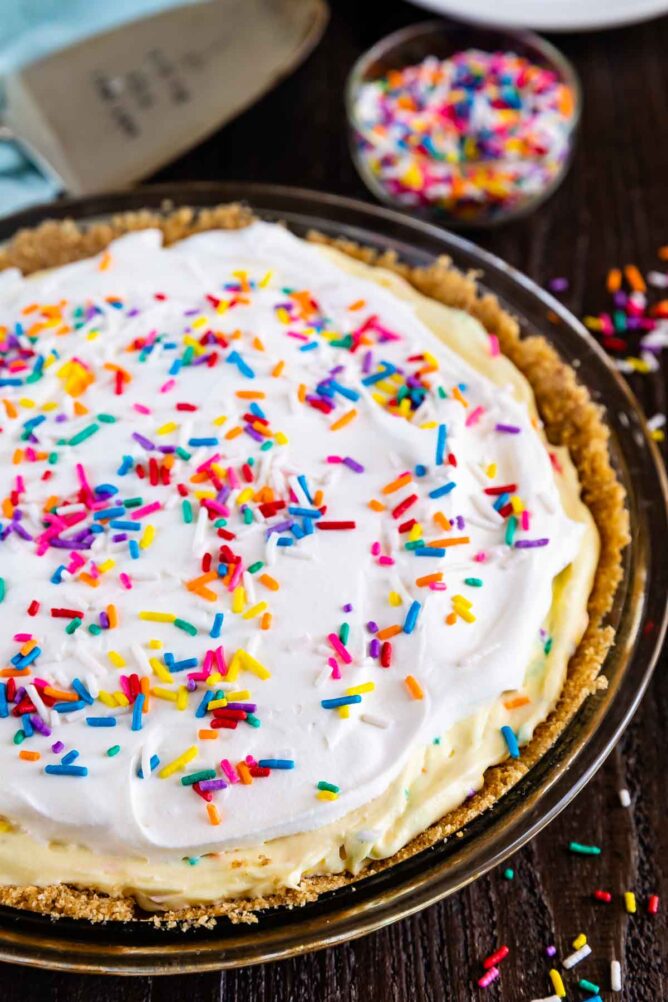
pixel 31 29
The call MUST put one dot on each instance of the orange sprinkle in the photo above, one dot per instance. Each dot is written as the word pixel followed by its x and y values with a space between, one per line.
pixel 207 735
pixel 395 485
pixel 318 498
pixel 206 593
pixel 389 631
pixel 30 756
pixel 250 395
pixel 196 583
pixel 65 697
pixel 414 687
pixel 214 816
pixel 112 615
pixel 512 704
pixel 10 409
pixel 359 304
pixel 89 580
pixel 457 394
pixel 459 541
pixel 442 521
pixel 451 618
pixel 344 420
pixel 244 773
pixel 278 369
pixel 258 344
pixel 301 393
pixel 269 582
pixel 376 505
pixel 614 282
pixel 265 622
pixel 428 579
pixel 7 508
pixel 80 409
pixel 234 432
pixel 17 458
pixel 29 646
pixel 105 261
pixel 145 688
pixel 663 252
pixel 634 278
pixel 10 672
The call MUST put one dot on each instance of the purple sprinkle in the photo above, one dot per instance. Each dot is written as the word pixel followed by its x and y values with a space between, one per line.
pixel 20 694
pixel 348 607
pixel 248 707
pixel 372 626
pixel 191 684
pixel 558 284
pixel 374 648
pixel 528 544
pixel 280 527
pixel 353 465
pixel 40 726
pixel 551 951
pixel 212 784
pixel 146 443
pixel 119 537
pixel 366 363
pixel 253 434
pixel 57 747
pixel 509 429
pixel 104 620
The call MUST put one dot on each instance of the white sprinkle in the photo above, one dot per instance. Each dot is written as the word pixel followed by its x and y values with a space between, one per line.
pixel 576 957
pixel 658 279
pixel 375 721
pixel 625 798
pixel 655 422
pixel 615 976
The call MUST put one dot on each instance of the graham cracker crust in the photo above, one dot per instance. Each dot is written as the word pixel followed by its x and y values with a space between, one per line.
pixel 571 418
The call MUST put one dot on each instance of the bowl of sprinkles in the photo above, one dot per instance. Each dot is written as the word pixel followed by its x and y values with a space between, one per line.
pixel 469 125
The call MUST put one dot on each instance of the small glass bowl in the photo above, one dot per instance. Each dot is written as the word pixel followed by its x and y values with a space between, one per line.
pixel 466 193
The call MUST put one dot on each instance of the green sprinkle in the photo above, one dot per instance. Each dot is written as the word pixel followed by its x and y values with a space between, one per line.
pixel 187 627
pixel 588 986
pixel 192 860
pixel 584 850
pixel 107 418
pixel 114 750
pixel 257 566
pixel 19 737
pixel 511 527
pixel 188 355
pixel 95 629
pixel 250 461
pixel 268 444
pixel 248 516
pixel 53 458
pixel 473 582
pixel 442 394
pixel 330 787
pixel 252 720
pixel 509 873
pixel 220 523
pixel 82 435
pixel 73 625
pixel 344 632
pixel 183 453
pixel 197 777
pixel 548 646
pixel 133 502
pixel 3 589
pixel 187 509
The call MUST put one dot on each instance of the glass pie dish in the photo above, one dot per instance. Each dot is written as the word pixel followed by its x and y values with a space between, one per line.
pixel 638 616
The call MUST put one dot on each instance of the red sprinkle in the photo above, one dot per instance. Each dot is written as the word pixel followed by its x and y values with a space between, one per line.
pixel 335 525
pixel 653 904
pixel 496 957
pixel 603 896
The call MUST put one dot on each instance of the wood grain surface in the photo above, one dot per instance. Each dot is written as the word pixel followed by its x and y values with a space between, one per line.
pixel 612 209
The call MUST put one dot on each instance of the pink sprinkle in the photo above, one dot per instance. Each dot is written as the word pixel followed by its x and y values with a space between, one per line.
pixel 481 557
pixel 221 663
pixel 125 686
pixel 229 770
pixel 339 648
pixel 474 416
pixel 386 561
pixel 438 586
pixel 142 409
pixel 236 575
pixel 334 665
pixel 216 507
pixel 206 665
pixel 232 478
pixel 375 549
pixel 147 509
pixel 22 638
pixel 334 459
pixel 169 385
pixel 494 348
pixel 125 581
pixel 525 520
pixel 491 975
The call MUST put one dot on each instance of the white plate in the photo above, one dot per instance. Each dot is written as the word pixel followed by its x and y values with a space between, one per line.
pixel 550 15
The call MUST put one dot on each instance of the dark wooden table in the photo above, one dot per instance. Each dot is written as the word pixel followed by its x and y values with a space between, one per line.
pixel 612 209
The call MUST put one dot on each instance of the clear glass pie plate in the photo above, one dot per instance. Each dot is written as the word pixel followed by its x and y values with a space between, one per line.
pixel 638 615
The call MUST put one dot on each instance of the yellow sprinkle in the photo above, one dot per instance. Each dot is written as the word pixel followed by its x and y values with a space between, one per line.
pixel 358 690
pixel 280 438
pixel 344 712
pixel 179 763
pixel 630 902
pixel 182 698
pixel 167 428
pixel 238 599
pixel 245 495
pixel 327 794
pixel 164 693
pixel 106 698
pixel 235 697
pixel 157 617
pixel 121 699
pixel 160 670
pixel 155 645
pixel 415 533
pixel 251 664
pixel 429 424
pixel 117 660
pixel 517 505
pixel 557 984
pixel 147 538
pixel 255 610
pixel 214 678
pixel 491 470
pixel 579 941
pixel 215 704
pixel 462 601
pixel 106 565
pixel 221 419
pixel 394 598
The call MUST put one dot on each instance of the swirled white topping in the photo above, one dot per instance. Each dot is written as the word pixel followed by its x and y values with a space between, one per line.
pixel 197 368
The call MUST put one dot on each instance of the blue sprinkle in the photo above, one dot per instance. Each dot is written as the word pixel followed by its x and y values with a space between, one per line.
pixel 198 442
pixel 332 704
pixel 137 711
pixel 125 524
pixel 201 709
pixel 411 617
pixel 511 741
pixel 439 492
pixel 276 763
pixel 71 756
pixel 301 479
pixel 420 470
pixel 4 710
pixel 154 763
pixel 217 625
pixel 133 547
pixel 101 721
pixel 66 770
pixel 82 691
pixel 27 725
pixel 440 444
pixel 429 551
pixel 69 707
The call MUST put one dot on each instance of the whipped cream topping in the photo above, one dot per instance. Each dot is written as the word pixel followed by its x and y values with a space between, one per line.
pixel 186 362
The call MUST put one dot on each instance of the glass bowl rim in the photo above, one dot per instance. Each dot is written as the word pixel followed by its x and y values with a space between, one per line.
pixel 34 940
